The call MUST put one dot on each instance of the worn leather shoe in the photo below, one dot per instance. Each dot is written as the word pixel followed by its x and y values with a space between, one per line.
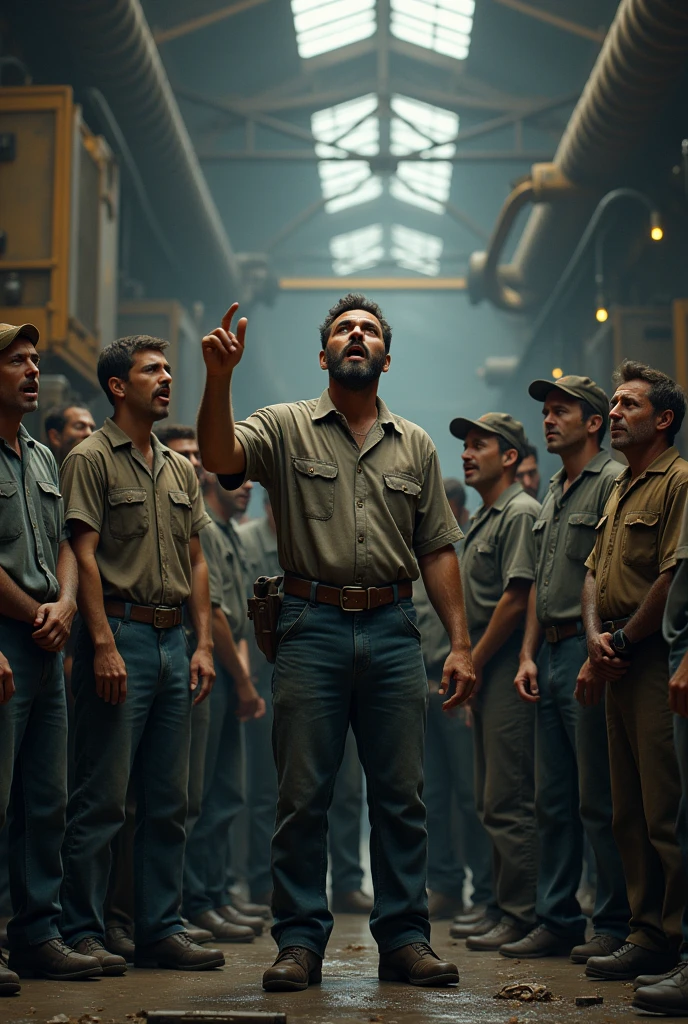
pixel 9 981
pixel 178 953
pixel 198 935
pixel 643 980
pixel 54 960
pixel 249 909
pixel 627 962
pixel 416 964
pixel 228 913
pixel 294 969
pixel 599 945
pixel 472 914
pixel 119 941
pixel 539 942
pixel 669 996
pixel 441 906
pixel 355 902
pixel 111 964
pixel 222 930
pixel 500 934
pixel 479 927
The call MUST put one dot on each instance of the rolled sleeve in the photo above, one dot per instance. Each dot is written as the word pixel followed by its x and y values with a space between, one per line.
pixel 671 530
pixel 435 525
pixel 83 489
pixel 259 436
pixel 518 549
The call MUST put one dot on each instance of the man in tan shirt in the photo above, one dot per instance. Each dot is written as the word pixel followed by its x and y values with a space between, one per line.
pixel 624 594
pixel 135 511
pixel 360 510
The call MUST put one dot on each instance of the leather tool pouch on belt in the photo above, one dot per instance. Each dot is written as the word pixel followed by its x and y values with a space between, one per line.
pixel 264 611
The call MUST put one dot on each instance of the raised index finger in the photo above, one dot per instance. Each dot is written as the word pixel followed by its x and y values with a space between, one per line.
pixel 229 316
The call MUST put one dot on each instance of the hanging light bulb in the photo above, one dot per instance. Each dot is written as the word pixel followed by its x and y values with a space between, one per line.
pixel 557 372
pixel 656 229
pixel 601 314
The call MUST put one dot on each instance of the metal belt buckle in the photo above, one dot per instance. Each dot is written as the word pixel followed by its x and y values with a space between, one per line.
pixel 358 590
pixel 160 618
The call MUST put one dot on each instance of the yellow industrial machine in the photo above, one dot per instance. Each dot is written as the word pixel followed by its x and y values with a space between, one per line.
pixel 59 194
pixel 169 320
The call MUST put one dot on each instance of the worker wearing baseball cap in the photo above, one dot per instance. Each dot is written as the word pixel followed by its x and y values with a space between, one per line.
pixel 498 566
pixel 572 761
pixel 38 581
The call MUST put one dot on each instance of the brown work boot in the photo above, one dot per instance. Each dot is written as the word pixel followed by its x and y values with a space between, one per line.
pixel 492 941
pixel 599 945
pixel 9 981
pixel 55 960
pixel 111 964
pixel 119 941
pixel 223 930
pixel 229 913
pixel 479 926
pixel 441 906
pixel 294 969
pixel 178 953
pixel 417 965
pixel 354 902
pixel 250 909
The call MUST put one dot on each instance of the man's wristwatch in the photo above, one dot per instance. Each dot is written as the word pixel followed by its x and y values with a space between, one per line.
pixel 621 644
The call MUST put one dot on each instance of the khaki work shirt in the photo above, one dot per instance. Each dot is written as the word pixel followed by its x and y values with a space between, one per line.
pixel 31 517
pixel 499 547
pixel 565 536
pixel 145 520
pixel 347 516
pixel 231 561
pixel 638 535
pixel 213 546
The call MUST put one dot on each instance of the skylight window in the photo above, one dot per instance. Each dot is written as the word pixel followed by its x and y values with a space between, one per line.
pixel 352 126
pixel 419 128
pixel 441 25
pixel 357 250
pixel 323 25
pixel 415 250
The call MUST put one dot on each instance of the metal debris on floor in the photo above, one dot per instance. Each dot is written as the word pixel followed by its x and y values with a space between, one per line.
pixel 589 1000
pixel 525 992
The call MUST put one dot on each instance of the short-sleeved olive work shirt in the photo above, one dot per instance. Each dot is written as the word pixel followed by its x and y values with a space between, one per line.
pixel 638 535
pixel 565 536
pixel 347 516
pixel 31 517
pixel 228 558
pixel 499 547
pixel 145 520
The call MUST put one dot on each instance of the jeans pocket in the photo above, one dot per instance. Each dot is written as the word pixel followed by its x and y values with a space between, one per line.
pixel 409 625
pixel 291 621
pixel 116 627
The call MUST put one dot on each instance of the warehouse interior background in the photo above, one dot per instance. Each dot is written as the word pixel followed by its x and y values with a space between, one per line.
pixel 508 178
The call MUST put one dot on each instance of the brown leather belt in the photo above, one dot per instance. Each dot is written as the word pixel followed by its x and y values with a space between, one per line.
pixel 349 599
pixel 160 617
pixel 555 634
pixel 611 625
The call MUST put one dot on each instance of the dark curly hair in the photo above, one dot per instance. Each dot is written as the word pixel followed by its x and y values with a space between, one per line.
pixel 354 300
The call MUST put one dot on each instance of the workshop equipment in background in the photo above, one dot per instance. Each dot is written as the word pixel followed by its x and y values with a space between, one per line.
pixel 163 318
pixel 59 195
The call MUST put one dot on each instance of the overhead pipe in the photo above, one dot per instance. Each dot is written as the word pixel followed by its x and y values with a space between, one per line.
pixel 113 50
pixel 640 63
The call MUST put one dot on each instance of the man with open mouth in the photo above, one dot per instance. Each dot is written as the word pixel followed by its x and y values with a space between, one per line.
pixel 360 512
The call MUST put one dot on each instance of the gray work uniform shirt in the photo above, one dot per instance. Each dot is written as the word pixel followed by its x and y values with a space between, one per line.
pixel 347 516
pixel 31 517
pixel 260 546
pixel 565 535
pixel 498 548
pixel 231 563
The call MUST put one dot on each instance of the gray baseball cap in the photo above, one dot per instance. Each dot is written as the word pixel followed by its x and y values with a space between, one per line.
pixel 583 388
pixel 494 423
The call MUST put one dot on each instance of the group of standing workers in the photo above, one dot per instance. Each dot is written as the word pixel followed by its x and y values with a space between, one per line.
pixel 550 633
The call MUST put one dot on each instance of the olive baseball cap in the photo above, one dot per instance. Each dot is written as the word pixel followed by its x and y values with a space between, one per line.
pixel 578 387
pixel 494 423
pixel 8 333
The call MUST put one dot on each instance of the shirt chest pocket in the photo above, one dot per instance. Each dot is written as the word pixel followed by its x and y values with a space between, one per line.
pixel 580 535
pixel 315 484
pixel 639 539
pixel 10 511
pixel 484 563
pixel 51 507
pixel 128 510
pixel 538 536
pixel 180 515
pixel 401 495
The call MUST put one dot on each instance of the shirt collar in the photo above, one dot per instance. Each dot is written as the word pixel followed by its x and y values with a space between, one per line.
pixel 118 439
pixel 499 505
pixel 325 406
pixel 24 438
pixel 661 464
pixel 595 466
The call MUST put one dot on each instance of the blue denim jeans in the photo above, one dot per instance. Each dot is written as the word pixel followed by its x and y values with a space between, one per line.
pixel 148 736
pixel 450 788
pixel 261 791
pixel 344 821
pixel 573 793
pixel 336 669
pixel 206 869
pixel 34 754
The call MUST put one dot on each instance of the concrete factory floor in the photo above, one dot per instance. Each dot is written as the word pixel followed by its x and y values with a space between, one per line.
pixel 349 994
